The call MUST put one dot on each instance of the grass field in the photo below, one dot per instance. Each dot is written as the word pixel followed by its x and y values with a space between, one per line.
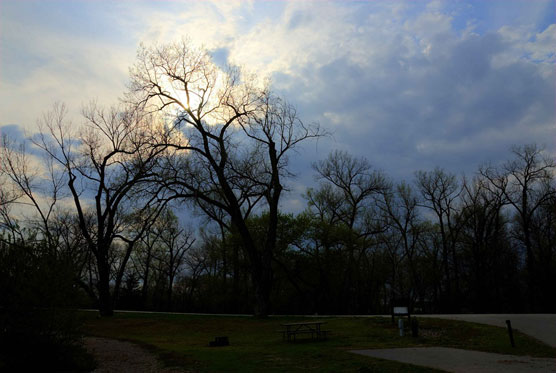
pixel 257 346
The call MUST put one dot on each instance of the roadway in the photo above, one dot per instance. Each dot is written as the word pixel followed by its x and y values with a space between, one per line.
pixel 539 326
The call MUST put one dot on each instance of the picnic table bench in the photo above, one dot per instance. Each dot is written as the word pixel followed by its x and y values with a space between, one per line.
pixel 312 328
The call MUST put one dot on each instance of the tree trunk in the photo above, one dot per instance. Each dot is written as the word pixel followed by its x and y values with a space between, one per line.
pixel 145 288
pixel 235 285
pixel 170 291
pixel 261 269
pixel 262 285
pixel 105 301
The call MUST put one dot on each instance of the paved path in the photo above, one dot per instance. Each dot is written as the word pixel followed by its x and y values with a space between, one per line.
pixel 539 326
pixel 464 361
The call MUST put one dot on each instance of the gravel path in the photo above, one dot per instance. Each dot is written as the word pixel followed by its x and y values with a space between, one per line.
pixel 115 356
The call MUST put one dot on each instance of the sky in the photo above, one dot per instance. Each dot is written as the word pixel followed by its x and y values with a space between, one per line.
pixel 409 85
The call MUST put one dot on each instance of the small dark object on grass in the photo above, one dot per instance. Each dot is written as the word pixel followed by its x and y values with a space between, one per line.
pixel 219 342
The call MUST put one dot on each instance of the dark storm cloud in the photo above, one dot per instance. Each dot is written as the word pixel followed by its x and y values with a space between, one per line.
pixel 456 107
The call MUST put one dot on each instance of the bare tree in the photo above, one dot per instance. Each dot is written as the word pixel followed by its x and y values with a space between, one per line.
pixel 173 243
pixel 29 185
pixel 440 191
pixel 143 260
pixel 484 239
pixel 347 195
pixel 525 183
pixel 354 182
pixel 109 163
pixel 8 196
pixel 230 146
pixel 399 211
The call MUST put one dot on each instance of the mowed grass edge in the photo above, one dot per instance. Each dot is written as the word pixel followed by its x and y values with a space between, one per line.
pixel 256 345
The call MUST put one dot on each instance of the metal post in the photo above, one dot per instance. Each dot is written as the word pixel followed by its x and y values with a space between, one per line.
pixel 510 332
pixel 400 326
pixel 414 328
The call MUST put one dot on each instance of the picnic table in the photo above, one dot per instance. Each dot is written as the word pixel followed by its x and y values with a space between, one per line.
pixel 312 328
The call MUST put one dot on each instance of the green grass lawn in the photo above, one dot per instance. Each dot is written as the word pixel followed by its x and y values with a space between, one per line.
pixel 256 345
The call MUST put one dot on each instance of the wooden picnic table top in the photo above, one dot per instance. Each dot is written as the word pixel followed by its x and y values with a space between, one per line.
pixel 304 323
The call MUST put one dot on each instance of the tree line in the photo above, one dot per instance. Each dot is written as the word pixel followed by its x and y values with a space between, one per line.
pixel 190 135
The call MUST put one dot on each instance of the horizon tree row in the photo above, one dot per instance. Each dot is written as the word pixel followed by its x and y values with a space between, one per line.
pixel 361 241
pixel 192 135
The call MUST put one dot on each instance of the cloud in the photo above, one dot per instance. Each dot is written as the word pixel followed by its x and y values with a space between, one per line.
pixel 55 66
pixel 401 83
pixel 414 96
pixel 409 85
pixel 220 57
pixel 13 131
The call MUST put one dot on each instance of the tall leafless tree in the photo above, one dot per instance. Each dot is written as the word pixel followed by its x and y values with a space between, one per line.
pixel 484 237
pixel 174 243
pixel 399 211
pixel 231 143
pixel 108 168
pixel 440 191
pixel 347 193
pixel 29 184
pixel 526 184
